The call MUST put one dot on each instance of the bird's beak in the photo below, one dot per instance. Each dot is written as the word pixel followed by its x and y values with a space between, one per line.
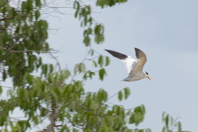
pixel 149 78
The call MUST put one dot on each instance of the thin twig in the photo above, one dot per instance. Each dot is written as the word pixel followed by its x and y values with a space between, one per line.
pixel 113 95
pixel 57 62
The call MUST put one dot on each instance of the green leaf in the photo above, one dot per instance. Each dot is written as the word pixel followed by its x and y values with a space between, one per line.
pixel 4 38
pixel 51 68
pixel 104 128
pixel 35 119
pixel 3 3
pixel 75 130
pixel 102 72
pixel 167 120
pixel 148 130
pixel 90 20
pixel 21 92
pixel 85 33
pixel 81 67
pixel 75 5
pixel 76 13
pixel 99 38
pixel 131 119
pixel 1 90
pixel 91 52
pixel 107 61
pixel 29 5
pixel 120 96
pixel 100 60
pixel 85 76
pixel 97 29
pixel 164 129
pixel 67 74
pixel 89 31
pixel 37 14
pixel 142 130
pixel 179 129
pixel 101 29
pixel 163 116
pixel 3 119
pixel 44 69
pixel 94 63
pixel 105 3
pixel 91 74
pixel 88 8
pixel 38 3
pixel 104 95
pixel 76 68
pixel 126 92
pixel 4 74
pixel 56 90
pixel 43 87
pixel 86 41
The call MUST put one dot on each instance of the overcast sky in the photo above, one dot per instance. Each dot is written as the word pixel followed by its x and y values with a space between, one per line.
pixel 166 30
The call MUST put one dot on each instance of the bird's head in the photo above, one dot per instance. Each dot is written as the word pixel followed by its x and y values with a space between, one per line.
pixel 147 76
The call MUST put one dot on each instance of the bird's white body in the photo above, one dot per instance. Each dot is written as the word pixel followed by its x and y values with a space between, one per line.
pixel 134 67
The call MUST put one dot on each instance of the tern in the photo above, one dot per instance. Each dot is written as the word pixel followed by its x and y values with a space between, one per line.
pixel 134 67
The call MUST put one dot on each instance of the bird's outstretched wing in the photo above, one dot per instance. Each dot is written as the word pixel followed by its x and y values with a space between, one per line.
pixel 141 60
pixel 129 62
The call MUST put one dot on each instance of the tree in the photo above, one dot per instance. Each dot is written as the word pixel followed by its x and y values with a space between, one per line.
pixel 48 98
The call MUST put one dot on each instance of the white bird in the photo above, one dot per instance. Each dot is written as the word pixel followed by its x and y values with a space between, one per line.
pixel 134 67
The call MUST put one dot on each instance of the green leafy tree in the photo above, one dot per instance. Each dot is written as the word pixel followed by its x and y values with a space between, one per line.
pixel 170 124
pixel 48 99
pixel 23 36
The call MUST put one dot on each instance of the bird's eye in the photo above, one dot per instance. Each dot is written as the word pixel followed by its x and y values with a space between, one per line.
pixel 146 73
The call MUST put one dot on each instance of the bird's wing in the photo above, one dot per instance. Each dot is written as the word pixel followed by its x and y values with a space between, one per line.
pixel 141 60
pixel 127 60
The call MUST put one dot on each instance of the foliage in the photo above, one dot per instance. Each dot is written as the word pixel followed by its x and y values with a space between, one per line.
pixel 23 35
pixel 106 3
pixel 171 124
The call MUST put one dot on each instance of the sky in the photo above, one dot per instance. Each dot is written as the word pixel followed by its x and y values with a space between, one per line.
pixel 165 30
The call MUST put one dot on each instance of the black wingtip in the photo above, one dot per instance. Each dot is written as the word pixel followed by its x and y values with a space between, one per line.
pixel 139 53
pixel 136 48
pixel 117 54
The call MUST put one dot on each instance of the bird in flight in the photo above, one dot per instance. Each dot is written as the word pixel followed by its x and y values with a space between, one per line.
pixel 134 67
